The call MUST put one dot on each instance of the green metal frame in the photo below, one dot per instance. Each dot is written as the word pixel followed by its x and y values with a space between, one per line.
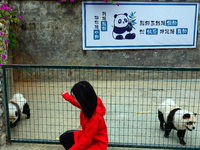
pixel 105 67
pixel 92 67
pixel 6 104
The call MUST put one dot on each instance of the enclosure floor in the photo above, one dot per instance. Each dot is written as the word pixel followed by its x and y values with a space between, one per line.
pixel 131 110
pixel 26 146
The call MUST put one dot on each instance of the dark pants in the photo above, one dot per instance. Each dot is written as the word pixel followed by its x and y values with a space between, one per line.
pixel 67 139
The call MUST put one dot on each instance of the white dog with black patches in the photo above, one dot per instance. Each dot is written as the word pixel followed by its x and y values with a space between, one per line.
pixel 17 105
pixel 173 117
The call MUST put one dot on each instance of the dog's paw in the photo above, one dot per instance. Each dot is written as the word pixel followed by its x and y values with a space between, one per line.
pixel 166 136
pixel 182 142
pixel 162 129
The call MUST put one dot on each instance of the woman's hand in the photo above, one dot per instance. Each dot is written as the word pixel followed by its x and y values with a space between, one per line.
pixel 63 92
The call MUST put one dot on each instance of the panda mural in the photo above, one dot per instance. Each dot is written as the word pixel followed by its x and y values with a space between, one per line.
pixel 123 26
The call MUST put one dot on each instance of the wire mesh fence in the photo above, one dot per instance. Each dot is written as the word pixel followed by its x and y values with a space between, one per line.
pixel 130 94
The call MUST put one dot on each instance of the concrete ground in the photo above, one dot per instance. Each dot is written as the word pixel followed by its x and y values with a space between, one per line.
pixel 131 115
pixel 29 146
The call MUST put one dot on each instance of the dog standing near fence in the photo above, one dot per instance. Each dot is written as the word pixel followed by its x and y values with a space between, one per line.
pixel 173 117
pixel 17 105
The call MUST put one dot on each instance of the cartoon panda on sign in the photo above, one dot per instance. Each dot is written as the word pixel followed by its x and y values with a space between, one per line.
pixel 122 27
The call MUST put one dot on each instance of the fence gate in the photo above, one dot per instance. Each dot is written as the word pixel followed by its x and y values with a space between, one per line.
pixel 130 94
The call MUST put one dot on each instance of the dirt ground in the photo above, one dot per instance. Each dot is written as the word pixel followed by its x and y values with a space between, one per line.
pixel 131 111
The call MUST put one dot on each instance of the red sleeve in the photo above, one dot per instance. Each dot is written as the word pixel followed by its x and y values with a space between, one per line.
pixel 88 134
pixel 70 99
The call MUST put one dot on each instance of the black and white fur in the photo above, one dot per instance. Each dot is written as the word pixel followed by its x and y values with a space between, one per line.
pixel 17 105
pixel 173 117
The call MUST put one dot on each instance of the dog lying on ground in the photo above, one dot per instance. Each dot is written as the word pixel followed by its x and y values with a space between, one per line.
pixel 17 105
pixel 173 117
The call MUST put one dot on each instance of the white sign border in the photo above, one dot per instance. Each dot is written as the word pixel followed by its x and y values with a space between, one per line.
pixel 135 47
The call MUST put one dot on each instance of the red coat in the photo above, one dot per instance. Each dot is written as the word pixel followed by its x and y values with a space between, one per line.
pixel 93 135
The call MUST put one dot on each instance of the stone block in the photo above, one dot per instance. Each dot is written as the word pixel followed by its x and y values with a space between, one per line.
pixel 3 138
pixel 1 112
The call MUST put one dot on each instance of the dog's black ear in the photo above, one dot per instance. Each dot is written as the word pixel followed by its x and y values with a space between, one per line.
pixel 186 116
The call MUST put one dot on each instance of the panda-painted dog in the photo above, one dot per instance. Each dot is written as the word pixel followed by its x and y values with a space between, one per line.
pixel 173 117
pixel 18 105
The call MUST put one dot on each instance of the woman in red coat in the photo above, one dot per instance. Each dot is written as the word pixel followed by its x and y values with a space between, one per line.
pixel 93 135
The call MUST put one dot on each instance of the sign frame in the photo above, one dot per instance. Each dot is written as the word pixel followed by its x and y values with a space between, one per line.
pixel 101 45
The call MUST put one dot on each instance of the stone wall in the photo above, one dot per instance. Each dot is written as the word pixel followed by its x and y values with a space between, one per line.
pixel 51 35
pixel 2 113
pixel 4 28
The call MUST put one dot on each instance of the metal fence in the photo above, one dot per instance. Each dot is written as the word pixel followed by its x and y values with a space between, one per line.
pixel 130 94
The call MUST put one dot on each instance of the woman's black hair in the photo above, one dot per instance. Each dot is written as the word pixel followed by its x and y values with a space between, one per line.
pixel 86 97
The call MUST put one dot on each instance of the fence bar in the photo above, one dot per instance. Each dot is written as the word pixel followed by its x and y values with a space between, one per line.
pixel 6 104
